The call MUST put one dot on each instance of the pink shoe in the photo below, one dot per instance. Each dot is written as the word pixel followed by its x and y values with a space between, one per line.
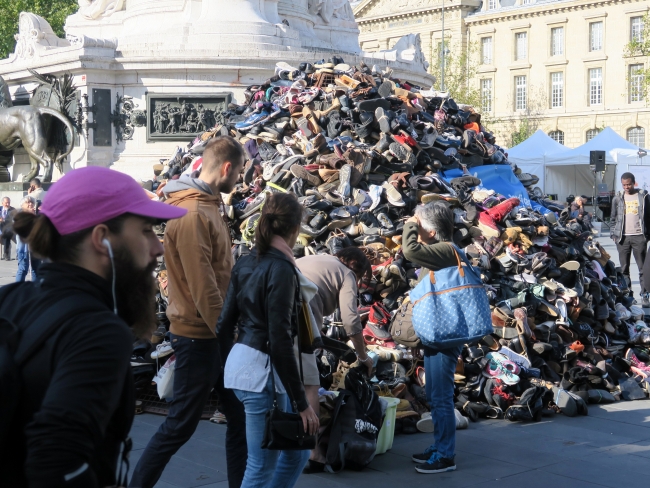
pixel 635 361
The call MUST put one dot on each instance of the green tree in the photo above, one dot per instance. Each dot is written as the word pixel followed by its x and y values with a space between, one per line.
pixel 54 11
pixel 641 47
pixel 461 68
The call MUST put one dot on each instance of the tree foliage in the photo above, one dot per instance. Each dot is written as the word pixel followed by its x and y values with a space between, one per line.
pixel 54 11
pixel 524 123
pixel 461 67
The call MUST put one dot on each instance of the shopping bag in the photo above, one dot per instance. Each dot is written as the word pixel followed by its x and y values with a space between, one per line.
pixel 451 308
pixel 164 379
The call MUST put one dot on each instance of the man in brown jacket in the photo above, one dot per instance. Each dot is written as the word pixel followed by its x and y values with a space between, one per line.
pixel 199 261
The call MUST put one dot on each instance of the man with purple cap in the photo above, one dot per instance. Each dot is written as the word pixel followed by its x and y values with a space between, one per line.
pixel 73 405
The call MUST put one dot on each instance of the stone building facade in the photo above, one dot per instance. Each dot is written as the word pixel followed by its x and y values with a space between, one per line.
pixel 561 62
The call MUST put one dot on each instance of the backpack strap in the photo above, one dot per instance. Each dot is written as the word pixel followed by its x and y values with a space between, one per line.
pixel 47 322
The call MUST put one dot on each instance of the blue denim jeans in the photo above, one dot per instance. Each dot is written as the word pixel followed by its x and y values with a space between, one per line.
pixel 439 369
pixel 25 258
pixel 266 468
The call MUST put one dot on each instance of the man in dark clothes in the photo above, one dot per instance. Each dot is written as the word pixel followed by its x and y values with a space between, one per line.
pixel 630 229
pixel 77 402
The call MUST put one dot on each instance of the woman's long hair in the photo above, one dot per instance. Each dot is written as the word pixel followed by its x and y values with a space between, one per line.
pixel 281 216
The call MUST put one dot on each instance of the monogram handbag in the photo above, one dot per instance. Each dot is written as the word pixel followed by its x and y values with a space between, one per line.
pixel 451 308
pixel 284 431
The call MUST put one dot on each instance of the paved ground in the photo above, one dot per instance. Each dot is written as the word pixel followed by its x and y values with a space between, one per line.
pixel 610 447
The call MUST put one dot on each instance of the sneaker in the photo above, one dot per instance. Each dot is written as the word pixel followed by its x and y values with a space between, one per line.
pixel 162 350
pixel 423 457
pixel 218 418
pixel 425 424
pixel 436 465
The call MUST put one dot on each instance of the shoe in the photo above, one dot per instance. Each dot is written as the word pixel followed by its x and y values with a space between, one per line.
pixel 425 424
pixel 436 465
pixel 218 418
pixel 162 350
pixel 423 457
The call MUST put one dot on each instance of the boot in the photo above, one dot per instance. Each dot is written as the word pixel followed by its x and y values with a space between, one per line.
pixel 500 211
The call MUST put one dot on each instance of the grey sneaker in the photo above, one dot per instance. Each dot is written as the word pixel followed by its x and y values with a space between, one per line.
pixel 436 465
pixel 645 302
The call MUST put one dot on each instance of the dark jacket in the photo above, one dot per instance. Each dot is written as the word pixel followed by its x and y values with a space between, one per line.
pixel 618 215
pixel 7 225
pixel 262 302
pixel 77 407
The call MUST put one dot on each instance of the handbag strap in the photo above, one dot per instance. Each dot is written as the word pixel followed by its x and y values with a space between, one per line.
pixel 460 259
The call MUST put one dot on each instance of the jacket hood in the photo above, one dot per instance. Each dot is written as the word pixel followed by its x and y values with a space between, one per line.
pixel 186 183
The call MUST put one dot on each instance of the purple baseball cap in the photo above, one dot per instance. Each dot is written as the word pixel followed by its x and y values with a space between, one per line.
pixel 86 197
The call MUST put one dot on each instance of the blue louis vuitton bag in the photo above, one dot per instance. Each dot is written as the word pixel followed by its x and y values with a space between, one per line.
pixel 451 308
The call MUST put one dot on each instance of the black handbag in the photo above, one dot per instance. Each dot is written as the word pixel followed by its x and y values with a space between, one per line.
pixel 284 431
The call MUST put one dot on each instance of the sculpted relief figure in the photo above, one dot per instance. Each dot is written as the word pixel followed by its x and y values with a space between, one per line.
pixel 330 10
pixel 94 9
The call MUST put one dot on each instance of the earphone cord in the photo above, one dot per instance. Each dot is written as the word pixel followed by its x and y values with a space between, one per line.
pixel 110 255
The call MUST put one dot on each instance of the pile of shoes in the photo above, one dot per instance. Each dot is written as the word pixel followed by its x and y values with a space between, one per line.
pixel 360 149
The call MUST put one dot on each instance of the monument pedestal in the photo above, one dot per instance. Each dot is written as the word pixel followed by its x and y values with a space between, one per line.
pixel 186 48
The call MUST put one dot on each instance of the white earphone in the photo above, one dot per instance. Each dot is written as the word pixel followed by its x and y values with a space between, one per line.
pixel 107 245
pixel 109 248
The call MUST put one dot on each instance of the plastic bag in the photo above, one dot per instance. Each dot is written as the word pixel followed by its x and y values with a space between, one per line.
pixel 165 379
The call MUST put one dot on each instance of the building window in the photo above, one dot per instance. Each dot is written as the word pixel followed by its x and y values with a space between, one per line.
pixel 521 93
pixel 493 4
pixel 528 2
pixel 596 36
pixel 557 41
pixel 636 29
pixel 596 86
pixel 591 133
pixel 557 136
pixel 521 46
pixel 636 82
pixel 557 90
pixel 636 135
pixel 486 95
pixel 486 50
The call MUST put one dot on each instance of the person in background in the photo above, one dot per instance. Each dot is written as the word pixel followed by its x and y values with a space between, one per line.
pixel 263 302
pixel 76 408
pixel 199 263
pixel 7 213
pixel 578 212
pixel 36 190
pixel 336 278
pixel 426 239
pixel 23 255
pixel 630 229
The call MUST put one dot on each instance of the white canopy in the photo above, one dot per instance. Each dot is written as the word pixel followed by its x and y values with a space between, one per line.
pixel 532 154
pixel 568 172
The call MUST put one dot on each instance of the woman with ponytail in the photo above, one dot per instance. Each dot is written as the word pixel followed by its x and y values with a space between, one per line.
pixel 264 302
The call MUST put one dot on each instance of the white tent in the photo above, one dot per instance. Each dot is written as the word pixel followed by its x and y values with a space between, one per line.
pixel 568 172
pixel 532 155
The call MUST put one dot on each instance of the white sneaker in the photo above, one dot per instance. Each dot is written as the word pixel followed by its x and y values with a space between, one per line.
pixel 516 358
pixel 162 350
pixel 461 420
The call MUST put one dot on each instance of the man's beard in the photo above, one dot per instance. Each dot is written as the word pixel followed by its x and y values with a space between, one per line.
pixel 136 293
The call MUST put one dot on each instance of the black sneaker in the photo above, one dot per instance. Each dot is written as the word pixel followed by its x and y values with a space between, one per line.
pixel 439 465
pixel 423 457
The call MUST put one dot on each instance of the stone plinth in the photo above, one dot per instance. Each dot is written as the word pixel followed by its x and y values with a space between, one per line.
pixel 149 48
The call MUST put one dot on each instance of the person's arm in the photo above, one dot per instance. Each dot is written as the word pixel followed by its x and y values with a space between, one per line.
pixel 195 250
pixel 350 316
pixel 280 303
pixel 90 367
pixel 228 318
pixel 614 213
pixel 432 256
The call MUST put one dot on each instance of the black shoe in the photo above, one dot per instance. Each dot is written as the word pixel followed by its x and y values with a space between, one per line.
pixel 440 465
pixel 423 457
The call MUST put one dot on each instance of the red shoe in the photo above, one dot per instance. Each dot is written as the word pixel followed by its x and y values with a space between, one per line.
pixel 487 225
pixel 500 211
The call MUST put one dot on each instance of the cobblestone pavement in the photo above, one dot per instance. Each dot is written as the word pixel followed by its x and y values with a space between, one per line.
pixel 610 447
